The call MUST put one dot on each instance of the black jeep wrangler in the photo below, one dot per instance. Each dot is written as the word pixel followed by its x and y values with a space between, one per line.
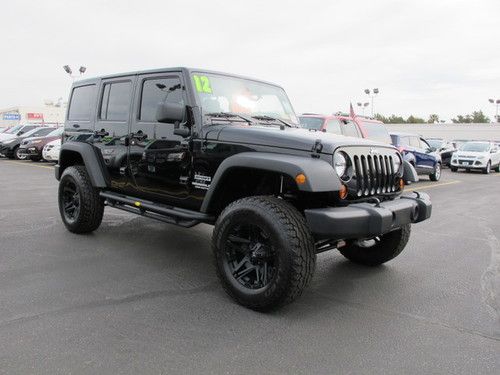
pixel 188 146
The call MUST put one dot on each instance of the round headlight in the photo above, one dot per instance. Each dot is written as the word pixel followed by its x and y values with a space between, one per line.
pixel 340 163
pixel 397 162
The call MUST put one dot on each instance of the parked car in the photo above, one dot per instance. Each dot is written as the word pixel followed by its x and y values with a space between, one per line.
pixel 16 131
pixel 373 129
pixel 419 154
pixel 443 147
pixel 51 150
pixel 207 147
pixel 32 147
pixel 484 156
pixel 335 124
pixel 10 147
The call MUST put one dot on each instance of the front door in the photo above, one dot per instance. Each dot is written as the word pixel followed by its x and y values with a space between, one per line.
pixel 160 161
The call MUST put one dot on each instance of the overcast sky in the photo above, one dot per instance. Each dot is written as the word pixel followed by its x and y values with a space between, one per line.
pixel 438 56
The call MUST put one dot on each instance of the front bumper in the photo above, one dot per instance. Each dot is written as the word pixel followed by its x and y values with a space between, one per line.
pixel 368 220
pixel 469 163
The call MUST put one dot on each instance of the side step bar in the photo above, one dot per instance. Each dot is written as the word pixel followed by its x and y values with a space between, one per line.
pixel 168 214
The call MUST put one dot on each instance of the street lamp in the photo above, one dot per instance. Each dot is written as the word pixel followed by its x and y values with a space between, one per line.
pixel 68 70
pixel 496 103
pixel 372 94
pixel 363 106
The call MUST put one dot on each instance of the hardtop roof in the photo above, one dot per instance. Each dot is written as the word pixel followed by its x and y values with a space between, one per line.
pixel 185 70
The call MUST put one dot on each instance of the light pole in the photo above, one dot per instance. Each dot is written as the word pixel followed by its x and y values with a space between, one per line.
pixel 372 94
pixel 496 103
pixel 363 106
pixel 68 70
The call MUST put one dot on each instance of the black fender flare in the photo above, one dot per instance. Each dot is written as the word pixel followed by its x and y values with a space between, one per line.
pixel 91 157
pixel 320 175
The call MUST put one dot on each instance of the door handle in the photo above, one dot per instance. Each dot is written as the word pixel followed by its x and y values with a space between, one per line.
pixel 76 126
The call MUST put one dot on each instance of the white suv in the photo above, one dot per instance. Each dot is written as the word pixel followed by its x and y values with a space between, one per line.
pixel 476 155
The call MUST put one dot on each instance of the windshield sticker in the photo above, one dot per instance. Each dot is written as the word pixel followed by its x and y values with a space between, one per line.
pixel 202 84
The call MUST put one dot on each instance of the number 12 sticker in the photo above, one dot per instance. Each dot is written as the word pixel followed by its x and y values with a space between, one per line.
pixel 202 84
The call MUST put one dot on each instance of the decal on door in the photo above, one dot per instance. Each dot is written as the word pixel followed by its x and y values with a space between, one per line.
pixel 200 181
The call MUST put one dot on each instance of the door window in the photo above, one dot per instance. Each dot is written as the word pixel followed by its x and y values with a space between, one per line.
pixel 350 129
pixel 80 103
pixel 115 101
pixel 156 91
pixel 333 126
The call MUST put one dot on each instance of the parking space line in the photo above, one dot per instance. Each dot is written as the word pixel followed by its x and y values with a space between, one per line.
pixel 29 165
pixel 410 188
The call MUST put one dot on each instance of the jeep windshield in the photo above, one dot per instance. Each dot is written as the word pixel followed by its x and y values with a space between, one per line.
pixel 229 97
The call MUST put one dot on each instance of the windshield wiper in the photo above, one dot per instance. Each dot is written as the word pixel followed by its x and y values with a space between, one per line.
pixel 229 115
pixel 269 118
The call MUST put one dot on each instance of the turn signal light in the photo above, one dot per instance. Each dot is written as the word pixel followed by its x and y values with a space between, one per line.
pixel 300 179
pixel 401 184
pixel 343 192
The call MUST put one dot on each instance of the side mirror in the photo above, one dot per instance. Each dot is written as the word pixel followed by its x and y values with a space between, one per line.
pixel 493 151
pixel 170 112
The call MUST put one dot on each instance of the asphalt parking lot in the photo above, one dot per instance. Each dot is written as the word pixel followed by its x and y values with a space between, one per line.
pixel 140 296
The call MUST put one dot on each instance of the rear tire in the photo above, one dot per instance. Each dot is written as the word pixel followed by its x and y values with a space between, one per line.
pixel 80 206
pixel 436 175
pixel 264 252
pixel 497 168
pixel 487 170
pixel 383 248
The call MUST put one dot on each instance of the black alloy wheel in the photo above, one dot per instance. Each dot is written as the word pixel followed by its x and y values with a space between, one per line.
pixel 250 257
pixel 70 201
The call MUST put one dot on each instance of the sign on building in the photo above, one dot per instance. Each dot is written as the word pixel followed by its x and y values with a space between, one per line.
pixel 34 116
pixel 11 116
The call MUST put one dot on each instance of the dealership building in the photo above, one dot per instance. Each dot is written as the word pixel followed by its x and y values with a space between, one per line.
pixel 43 115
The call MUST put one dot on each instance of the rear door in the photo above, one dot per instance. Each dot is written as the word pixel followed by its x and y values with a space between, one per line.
pixel 112 126
pixel 159 159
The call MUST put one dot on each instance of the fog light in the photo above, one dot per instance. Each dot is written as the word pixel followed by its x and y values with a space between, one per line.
pixel 343 192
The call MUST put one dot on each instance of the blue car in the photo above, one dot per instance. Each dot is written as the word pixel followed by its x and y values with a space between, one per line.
pixel 418 153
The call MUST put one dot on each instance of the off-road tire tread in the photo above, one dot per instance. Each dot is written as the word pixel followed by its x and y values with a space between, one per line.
pixel 391 246
pixel 301 245
pixel 91 204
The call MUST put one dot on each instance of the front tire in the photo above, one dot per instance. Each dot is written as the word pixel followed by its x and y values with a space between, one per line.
pixel 436 175
pixel 487 170
pixel 497 168
pixel 378 250
pixel 80 206
pixel 264 252
pixel 18 155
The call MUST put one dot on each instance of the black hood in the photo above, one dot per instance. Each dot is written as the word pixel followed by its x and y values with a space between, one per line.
pixel 288 138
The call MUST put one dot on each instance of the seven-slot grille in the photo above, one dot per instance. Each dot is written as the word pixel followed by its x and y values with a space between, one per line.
pixel 373 171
